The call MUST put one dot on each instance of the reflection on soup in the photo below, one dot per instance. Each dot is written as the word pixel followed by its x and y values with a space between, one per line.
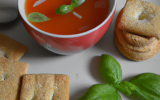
pixel 93 12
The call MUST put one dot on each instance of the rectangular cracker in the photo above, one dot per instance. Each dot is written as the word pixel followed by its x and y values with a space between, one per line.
pixel 140 17
pixel 45 87
pixel 10 48
pixel 10 78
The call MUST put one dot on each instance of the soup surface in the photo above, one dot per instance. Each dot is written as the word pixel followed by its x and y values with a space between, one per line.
pixel 93 12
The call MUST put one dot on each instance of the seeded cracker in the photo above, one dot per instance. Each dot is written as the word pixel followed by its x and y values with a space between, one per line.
pixel 11 49
pixel 10 73
pixel 142 18
pixel 45 87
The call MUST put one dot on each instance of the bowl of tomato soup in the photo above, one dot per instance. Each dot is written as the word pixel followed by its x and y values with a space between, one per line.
pixel 72 32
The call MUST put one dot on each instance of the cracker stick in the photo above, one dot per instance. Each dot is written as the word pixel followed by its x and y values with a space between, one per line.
pixel 45 87
pixel 10 48
pixel 10 73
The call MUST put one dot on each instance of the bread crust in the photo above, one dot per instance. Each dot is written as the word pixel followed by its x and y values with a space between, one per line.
pixel 133 46
pixel 45 87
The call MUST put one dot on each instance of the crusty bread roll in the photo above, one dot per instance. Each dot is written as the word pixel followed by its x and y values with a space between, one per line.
pixel 133 46
pixel 45 87
pixel 140 17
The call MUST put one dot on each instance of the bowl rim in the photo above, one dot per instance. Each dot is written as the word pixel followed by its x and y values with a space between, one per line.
pixel 67 36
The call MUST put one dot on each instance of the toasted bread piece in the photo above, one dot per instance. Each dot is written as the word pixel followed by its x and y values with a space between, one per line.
pixel 140 17
pixel 10 48
pixel 45 87
pixel 10 78
pixel 135 47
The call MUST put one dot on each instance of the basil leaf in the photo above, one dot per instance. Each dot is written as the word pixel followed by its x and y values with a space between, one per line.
pixel 63 9
pixel 147 86
pixel 77 2
pixel 37 17
pixel 101 92
pixel 110 68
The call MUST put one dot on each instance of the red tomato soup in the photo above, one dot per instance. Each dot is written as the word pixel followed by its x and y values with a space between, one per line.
pixel 93 13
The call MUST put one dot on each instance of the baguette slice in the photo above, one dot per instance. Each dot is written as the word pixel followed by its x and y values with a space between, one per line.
pixel 45 87
pixel 10 78
pixel 10 48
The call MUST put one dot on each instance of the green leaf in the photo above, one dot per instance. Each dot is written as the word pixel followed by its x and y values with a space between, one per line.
pixel 37 17
pixel 101 92
pixel 147 86
pixel 110 68
pixel 78 2
pixel 63 9
pixel 125 87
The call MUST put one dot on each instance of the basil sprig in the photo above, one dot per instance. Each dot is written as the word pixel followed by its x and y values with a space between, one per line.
pixel 145 86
